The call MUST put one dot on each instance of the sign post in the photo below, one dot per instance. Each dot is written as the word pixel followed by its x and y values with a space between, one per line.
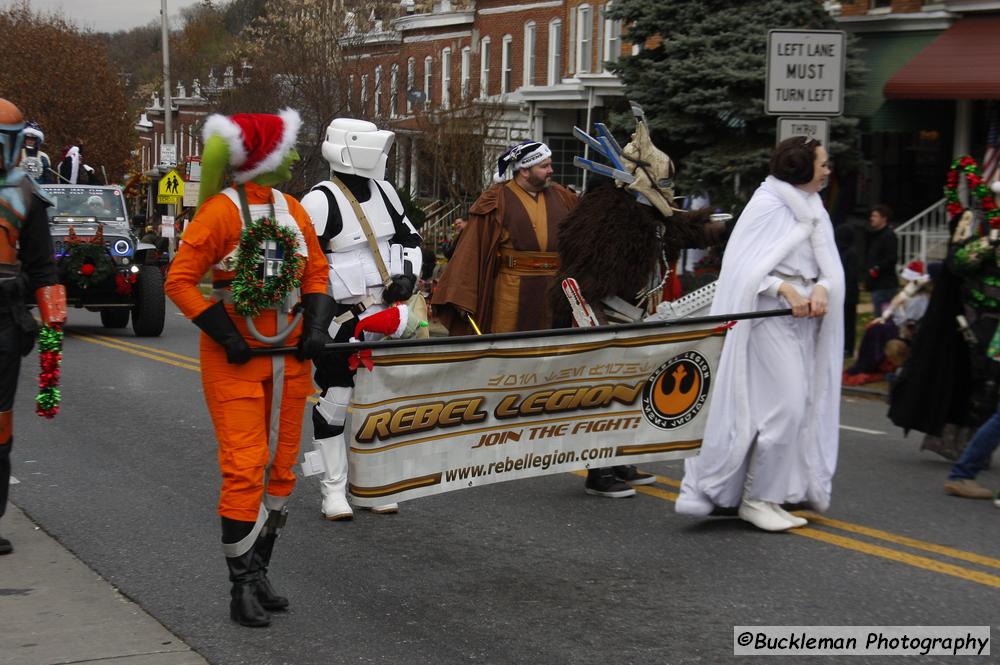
pixel 814 128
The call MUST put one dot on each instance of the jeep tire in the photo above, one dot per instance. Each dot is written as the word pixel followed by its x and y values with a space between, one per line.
pixel 150 306
pixel 114 318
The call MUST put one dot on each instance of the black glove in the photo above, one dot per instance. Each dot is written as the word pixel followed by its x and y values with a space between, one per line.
pixel 399 290
pixel 215 322
pixel 318 309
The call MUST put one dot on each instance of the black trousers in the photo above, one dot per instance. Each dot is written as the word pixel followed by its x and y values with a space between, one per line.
pixel 10 366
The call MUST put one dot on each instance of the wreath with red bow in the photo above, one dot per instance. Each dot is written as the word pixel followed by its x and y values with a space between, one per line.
pixel 978 188
pixel 87 262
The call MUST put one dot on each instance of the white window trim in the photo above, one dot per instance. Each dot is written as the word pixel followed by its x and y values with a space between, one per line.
pixel 428 80
pixel 530 55
pixel 378 91
pixel 583 67
pixel 484 67
pixel 554 64
pixel 611 27
pixel 466 67
pixel 350 93
pixel 445 77
pixel 506 65
pixel 393 89
pixel 364 93
pixel 411 81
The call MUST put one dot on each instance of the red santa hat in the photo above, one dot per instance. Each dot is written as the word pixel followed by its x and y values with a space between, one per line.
pixel 258 142
pixel 390 322
pixel 913 270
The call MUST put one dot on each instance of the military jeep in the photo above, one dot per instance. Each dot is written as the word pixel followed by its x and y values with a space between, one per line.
pixel 89 225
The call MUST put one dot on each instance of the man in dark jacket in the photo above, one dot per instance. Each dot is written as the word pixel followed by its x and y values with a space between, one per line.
pixel 880 259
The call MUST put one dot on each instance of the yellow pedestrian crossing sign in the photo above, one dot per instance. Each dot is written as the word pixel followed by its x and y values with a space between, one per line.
pixel 171 189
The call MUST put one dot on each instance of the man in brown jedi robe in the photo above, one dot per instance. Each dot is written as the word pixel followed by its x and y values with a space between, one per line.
pixel 507 258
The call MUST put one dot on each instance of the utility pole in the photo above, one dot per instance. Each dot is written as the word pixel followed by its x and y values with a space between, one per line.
pixel 168 134
pixel 168 130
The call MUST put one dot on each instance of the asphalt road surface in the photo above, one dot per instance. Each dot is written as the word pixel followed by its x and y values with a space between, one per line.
pixel 530 571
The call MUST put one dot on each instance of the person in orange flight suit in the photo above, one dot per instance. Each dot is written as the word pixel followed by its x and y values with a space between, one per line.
pixel 256 402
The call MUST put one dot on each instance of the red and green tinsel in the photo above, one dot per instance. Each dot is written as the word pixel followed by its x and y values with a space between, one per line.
pixel 978 189
pixel 50 339
pixel 251 293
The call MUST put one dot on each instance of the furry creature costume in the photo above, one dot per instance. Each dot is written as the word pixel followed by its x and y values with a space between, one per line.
pixel 612 245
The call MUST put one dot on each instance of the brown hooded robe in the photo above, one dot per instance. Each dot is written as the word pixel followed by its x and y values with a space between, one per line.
pixel 506 225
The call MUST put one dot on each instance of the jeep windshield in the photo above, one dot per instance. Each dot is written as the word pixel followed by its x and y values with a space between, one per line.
pixel 78 204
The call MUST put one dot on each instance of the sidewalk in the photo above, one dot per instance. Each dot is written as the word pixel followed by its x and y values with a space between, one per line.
pixel 54 609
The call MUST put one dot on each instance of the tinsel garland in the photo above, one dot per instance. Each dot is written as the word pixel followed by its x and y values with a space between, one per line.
pixel 978 188
pixel 252 295
pixel 50 339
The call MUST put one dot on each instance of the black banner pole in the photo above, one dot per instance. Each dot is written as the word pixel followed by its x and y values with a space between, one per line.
pixel 534 334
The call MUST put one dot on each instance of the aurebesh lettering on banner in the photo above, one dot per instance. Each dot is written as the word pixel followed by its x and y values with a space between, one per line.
pixel 436 418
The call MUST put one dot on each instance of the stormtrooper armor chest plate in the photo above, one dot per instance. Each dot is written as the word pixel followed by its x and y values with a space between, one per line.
pixel 353 270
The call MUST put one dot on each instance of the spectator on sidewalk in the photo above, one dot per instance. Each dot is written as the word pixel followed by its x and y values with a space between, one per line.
pixel 976 457
pixel 880 259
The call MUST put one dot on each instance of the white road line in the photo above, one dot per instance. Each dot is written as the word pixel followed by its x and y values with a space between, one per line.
pixel 861 429
pixel 14 481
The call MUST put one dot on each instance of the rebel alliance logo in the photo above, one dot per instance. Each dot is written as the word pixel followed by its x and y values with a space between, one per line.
pixel 677 390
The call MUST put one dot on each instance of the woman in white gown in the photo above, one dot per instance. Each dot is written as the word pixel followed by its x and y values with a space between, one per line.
pixel 772 430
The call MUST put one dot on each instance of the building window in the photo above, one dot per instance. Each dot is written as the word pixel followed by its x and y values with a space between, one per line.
pixel 411 81
pixel 584 38
pixel 350 93
pixel 445 78
pixel 529 53
pixel 378 91
pixel 364 93
pixel 484 67
pixel 393 90
pixel 466 70
pixel 555 52
pixel 880 4
pixel 612 41
pixel 564 148
pixel 507 65
pixel 428 80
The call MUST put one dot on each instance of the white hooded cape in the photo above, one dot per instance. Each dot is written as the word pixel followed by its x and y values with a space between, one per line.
pixel 778 217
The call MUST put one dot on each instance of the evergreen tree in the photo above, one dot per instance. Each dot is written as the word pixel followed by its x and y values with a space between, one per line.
pixel 700 77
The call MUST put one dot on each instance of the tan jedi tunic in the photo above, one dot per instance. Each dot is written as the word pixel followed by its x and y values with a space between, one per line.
pixel 504 264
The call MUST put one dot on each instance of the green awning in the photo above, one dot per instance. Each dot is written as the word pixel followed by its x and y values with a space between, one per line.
pixel 885 53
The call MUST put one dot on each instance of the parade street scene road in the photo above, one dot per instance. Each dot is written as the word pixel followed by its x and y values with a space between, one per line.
pixel 529 571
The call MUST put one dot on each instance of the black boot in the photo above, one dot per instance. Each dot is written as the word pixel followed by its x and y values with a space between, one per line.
pixel 244 608
pixel 266 595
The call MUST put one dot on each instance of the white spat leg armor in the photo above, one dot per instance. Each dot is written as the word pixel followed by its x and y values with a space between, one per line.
pixel 334 482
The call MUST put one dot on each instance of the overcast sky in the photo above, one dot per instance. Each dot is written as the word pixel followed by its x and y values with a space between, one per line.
pixel 109 15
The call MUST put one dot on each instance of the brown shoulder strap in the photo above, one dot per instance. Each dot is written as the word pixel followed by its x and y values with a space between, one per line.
pixel 366 227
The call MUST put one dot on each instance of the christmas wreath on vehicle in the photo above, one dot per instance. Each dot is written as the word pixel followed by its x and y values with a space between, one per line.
pixel 87 262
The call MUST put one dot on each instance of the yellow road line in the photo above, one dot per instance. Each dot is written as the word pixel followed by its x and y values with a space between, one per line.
pixel 135 352
pixel 914 560
pixel 133 345
pixel 903 540
pixel 943 550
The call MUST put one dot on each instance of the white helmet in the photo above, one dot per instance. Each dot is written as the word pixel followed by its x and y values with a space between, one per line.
pixel 357 147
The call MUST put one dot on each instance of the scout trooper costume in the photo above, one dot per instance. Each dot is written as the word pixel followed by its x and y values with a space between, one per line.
pixel 357 153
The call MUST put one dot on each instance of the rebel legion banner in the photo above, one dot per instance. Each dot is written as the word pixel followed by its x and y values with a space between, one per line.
pixel 434 418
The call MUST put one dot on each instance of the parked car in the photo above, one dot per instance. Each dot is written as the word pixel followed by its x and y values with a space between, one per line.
pixel 102 263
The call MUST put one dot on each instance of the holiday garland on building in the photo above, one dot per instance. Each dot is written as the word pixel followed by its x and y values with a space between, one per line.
pixel 50 339
pixel 251 294
pixel 978 188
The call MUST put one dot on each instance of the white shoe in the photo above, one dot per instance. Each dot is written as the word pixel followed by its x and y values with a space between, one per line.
pixel 760 514
pixel 788 517
pixel 387 509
